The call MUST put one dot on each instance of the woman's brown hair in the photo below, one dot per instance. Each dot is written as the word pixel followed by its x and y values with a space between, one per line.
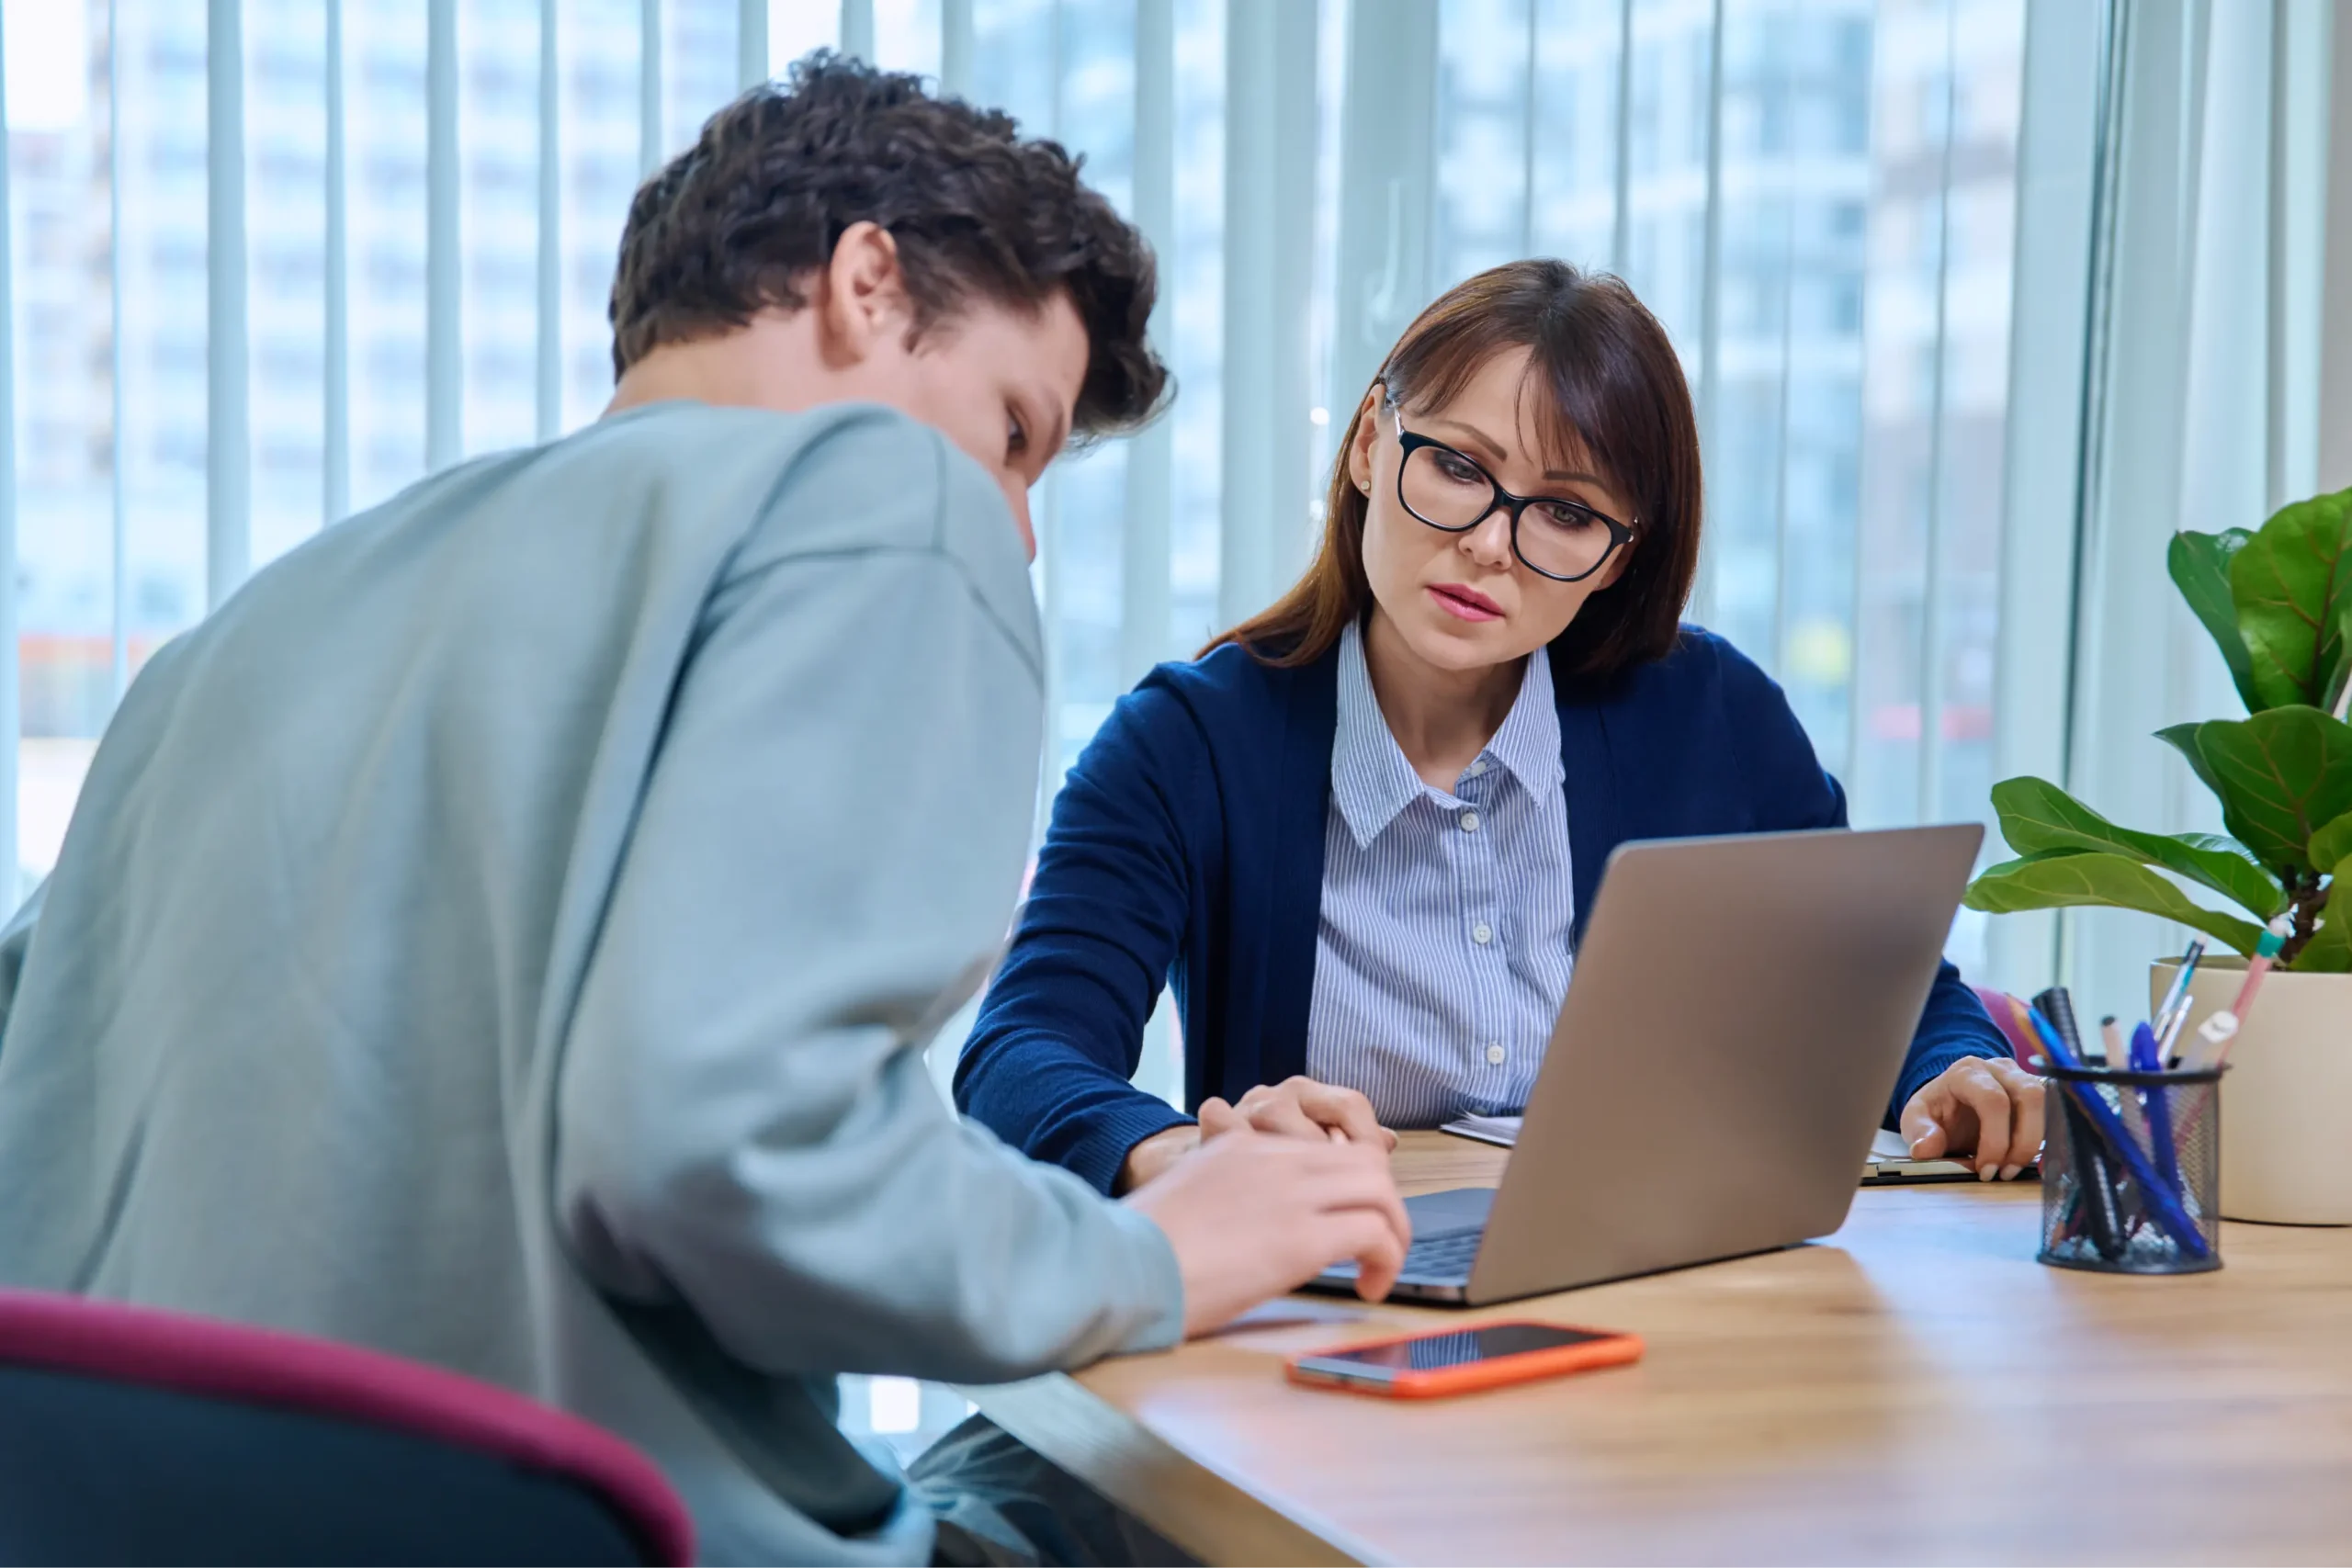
pixel 1616 393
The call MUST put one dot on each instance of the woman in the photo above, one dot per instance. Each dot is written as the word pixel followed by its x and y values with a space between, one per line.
pixel 1360 834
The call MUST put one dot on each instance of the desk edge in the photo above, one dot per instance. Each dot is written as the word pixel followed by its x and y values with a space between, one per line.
pixel 1206 1513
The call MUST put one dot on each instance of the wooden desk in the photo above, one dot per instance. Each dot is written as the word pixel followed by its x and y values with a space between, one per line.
pixel 1915 1389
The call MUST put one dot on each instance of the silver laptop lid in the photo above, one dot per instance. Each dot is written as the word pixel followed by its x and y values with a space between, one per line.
pixel 1738 1014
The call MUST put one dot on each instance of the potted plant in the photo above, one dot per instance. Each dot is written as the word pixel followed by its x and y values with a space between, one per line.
pixel 2278 604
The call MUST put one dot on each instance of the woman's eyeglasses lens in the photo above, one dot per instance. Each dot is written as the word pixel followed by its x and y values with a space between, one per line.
pixel 1447 490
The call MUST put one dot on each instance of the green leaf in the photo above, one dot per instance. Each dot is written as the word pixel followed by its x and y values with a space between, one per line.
pixel 2182 737
pixel 2329 952
pixel 2201 570
pixel 2292 583
pixel 2331 845
pixel 2282 776
pixel 2330 699
pixel 2066 878
pixel 2037 816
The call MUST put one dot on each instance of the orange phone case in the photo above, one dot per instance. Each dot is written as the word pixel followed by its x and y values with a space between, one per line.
pixel 1613 1350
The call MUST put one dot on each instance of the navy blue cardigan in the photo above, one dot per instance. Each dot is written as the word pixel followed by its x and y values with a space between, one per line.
pixel 1187 846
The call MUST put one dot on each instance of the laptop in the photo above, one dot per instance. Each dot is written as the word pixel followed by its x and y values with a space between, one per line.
pixel 1738 1014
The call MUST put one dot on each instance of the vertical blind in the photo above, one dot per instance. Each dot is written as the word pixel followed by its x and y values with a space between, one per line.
pixel 270 261
pixel 2205 257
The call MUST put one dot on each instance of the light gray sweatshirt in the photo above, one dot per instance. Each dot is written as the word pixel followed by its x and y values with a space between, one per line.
pixel 503 934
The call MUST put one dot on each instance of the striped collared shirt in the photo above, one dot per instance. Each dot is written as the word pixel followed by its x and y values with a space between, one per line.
pixel 1443 951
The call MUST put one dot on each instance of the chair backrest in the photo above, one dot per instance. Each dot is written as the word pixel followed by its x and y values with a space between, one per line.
pixel 1996 1008
pixel 132 1434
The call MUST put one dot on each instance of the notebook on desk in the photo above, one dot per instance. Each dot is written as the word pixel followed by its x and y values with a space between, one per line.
pixel 1889 1159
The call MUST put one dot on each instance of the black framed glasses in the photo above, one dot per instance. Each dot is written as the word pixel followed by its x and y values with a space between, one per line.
pixel 1566 540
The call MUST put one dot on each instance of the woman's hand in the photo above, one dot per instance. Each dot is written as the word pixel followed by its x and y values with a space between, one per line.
pixel 1299 1108
pixel 1984 1113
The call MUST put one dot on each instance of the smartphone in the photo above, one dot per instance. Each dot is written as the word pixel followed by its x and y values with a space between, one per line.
pixel 1460 1361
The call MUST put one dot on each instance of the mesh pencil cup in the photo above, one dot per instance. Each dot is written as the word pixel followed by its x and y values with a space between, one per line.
pixel 2131 1170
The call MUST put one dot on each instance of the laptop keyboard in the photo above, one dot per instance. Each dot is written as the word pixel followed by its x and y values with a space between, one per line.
pixel 1442 1260
pixel 1447 1257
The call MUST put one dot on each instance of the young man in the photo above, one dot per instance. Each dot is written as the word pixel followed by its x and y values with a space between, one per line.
pixel 504 934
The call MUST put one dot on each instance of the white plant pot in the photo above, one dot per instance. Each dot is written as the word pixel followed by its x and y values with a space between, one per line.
pixel 2283 1099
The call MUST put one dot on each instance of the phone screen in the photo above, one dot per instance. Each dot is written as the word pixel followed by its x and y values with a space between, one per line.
pixel 1436 1352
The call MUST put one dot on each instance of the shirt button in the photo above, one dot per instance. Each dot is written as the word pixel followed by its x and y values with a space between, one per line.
pixel 1478 769
pixel 1494 1054
pixel 1482 933
pixel 1469 821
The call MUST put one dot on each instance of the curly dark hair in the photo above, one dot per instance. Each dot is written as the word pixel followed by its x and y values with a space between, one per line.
pixel 737 223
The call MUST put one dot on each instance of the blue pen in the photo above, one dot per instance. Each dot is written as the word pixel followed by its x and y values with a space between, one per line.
pixel 2162 1200
pixel 2147 1056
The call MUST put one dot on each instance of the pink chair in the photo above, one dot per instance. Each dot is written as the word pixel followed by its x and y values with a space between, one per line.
pixel 129 1434
pixel 1996 1008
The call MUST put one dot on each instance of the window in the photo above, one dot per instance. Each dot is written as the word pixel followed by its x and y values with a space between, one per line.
pixel 1840 299
pixel 1816 197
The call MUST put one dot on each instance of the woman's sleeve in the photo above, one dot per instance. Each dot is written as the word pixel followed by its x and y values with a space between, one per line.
pixel 1795 792
pixel 1048 1064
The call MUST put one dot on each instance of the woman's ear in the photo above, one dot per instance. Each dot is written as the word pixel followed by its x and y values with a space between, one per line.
pixel 1616 567
pixel 1367 434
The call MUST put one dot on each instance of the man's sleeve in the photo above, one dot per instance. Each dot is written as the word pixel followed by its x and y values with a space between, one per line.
pixel 15 938
pixel 825 860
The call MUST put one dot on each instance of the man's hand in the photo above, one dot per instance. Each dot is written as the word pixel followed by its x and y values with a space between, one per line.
pixel 1253 1216
pixel 1985 1111
pixel 1299 1108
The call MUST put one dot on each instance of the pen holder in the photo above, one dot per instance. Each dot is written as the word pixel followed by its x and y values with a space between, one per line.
pixel 2131 1170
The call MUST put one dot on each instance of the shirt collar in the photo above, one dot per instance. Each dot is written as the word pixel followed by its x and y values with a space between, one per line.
pixel 1528 744
pixel 1370 780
